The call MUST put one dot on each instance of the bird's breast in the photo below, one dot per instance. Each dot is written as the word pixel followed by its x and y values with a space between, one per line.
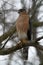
pixel 22 26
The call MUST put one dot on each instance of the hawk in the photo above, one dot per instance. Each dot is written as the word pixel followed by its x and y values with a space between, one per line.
pixel 23 28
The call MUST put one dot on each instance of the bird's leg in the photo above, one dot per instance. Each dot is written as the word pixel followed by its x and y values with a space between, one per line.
pixel 24 40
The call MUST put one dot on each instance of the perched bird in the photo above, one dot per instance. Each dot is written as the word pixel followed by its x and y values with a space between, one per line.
pixel 23 28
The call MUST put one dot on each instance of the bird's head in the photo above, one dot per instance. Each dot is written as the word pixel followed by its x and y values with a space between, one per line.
pixel 21 10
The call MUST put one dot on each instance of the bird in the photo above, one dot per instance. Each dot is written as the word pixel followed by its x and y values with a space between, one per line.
pixel 23 29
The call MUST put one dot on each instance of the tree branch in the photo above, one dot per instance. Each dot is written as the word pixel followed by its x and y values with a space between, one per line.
pixel 22 45
pixel 8 34
pixel 35 7
pixel 37 24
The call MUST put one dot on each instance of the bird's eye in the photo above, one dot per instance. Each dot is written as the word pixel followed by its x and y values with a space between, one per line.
pixel 21 10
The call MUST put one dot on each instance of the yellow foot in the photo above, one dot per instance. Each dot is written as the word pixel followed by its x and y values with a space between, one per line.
pixel 24 41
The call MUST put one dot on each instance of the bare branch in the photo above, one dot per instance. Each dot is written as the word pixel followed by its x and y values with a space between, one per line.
pixel 9 10
pixel 8 34
pixel 37 24
pixel 22 45
pixel 35 7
